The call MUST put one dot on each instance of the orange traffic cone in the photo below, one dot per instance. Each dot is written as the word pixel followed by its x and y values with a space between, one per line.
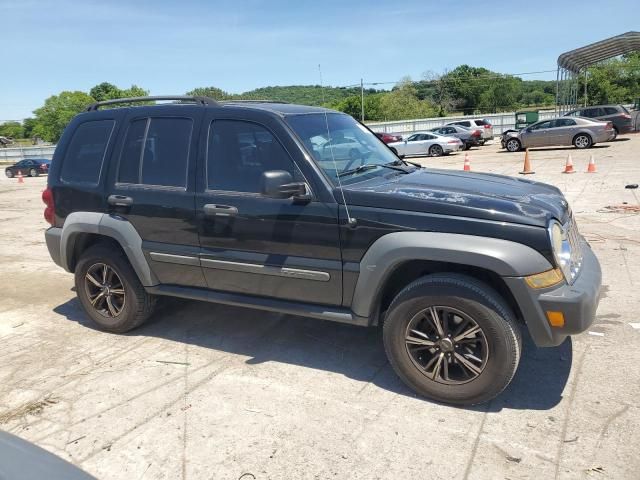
pixel 592 165
pixel 467 165
pixel 20 179
pixel 568 168
pixel 526 169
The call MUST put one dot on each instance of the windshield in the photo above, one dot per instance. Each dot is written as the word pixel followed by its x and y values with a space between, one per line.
pixel 350 144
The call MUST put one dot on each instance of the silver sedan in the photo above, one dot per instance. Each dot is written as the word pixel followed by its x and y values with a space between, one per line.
pixel 579 132
pixel 426 143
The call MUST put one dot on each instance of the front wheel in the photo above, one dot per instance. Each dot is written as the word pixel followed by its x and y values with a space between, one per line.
pixel 513 145
pixel 453 339
pixel 8 173
pixel 110 291
pixel 435 150
pixel 33 172
pixel 582 141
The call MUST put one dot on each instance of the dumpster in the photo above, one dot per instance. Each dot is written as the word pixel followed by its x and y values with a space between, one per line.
pixel 526 118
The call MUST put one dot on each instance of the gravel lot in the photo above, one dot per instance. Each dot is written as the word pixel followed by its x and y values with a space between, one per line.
pixel 213 392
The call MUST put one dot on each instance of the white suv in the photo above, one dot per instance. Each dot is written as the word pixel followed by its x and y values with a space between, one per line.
pixel 483 125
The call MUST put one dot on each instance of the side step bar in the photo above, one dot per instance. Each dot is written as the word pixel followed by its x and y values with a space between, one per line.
pixel 322 312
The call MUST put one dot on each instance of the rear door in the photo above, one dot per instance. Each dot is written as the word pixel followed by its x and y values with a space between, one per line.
pixel 152 186
pixel 562 131
pixel 252 244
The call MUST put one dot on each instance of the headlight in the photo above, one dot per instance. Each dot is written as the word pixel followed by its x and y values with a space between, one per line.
pixel 561 249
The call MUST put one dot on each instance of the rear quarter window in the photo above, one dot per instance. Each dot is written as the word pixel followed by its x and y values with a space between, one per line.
pixel 85 154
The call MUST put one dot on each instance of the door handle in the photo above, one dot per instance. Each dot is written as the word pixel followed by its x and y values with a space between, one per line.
pixel 211 209
pixel 120 201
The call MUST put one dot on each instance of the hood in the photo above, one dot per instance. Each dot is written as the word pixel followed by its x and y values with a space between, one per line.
pixel 465 194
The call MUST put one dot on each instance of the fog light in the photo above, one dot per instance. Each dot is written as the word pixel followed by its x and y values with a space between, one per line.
pixel 545 279
pixel 556 319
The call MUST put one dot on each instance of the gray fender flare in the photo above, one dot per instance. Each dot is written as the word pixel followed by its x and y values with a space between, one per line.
pixel 504 257
pixel 118 228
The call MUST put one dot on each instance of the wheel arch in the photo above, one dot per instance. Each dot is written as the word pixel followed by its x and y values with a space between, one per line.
pixel 397 259
pixel 84 229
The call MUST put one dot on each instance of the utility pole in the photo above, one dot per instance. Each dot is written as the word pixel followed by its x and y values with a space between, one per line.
pixel 362 99
pixel 585 86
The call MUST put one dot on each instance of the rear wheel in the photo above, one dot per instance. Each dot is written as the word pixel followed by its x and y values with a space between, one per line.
pixel 110 291
pixel 615 133
pixel 452 338
pixel 33 172
pixel 513 145
pixel 582 140
pixel 8 173
pixel 435 150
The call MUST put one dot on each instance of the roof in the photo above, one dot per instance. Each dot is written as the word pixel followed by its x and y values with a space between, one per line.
pixel 582 57
pixel 278 108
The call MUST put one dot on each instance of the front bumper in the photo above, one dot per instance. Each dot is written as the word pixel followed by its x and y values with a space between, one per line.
pixel 577 302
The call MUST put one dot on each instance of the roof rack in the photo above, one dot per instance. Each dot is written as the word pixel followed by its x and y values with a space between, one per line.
pixel 253 101
pixel 195 99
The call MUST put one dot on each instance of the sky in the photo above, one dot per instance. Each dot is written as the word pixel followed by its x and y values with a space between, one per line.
pixel 170 47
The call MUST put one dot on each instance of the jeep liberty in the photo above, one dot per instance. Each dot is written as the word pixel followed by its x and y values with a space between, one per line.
pixel 304 211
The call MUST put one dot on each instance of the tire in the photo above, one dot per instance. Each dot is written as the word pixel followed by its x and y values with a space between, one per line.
pixel 436 150
pixel 513 145
pixel 8 173
pixel 497 344
pixel 136 304
pixel 467 146
pixel 582 141
pixel 615 134
pixel 33 172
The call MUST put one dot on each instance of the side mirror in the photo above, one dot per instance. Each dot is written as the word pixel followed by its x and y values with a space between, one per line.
pixel 280 184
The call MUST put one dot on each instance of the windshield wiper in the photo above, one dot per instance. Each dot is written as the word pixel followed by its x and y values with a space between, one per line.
pixel 370 166
pixel 402 161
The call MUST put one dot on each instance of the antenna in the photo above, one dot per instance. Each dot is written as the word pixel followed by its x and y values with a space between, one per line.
pixel 350 220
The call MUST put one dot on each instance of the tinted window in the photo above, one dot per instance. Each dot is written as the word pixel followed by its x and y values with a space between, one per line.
pixel 592 112
pixel 239 152
pixel 129 170
pixel 564 122
pixel 163 150
pixel 464 124
pixel 482 122
pixel 610 111
pixel 85 154
pixel 541 126
pixel 413 138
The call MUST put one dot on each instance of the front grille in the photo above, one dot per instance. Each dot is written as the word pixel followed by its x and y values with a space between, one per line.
pixel 575 241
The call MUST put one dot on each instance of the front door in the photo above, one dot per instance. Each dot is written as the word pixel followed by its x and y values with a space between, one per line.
pixel 152 187
pixel 256 245
pixel 537 135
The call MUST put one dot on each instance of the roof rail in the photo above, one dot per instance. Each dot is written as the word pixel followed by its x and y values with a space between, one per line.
pixel 195 99
pixel 253 101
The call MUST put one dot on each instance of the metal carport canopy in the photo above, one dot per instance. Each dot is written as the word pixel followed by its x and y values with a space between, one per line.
pixel 582 57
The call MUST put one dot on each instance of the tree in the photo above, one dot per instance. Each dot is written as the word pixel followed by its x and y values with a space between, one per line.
pixel 57 112
pixel 211 92
pixel 402 103
pixel 12 129
pixel 108 91
pixel 29 124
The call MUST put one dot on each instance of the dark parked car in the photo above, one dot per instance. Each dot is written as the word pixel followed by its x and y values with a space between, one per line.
pixel 618 115
pixel 238 203
pixel 31 167
pixel 470 138
pixel 388 137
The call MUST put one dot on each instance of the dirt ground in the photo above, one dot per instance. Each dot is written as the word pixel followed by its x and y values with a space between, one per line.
pixel 213 392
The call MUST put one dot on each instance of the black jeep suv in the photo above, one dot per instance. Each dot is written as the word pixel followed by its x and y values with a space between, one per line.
pixel 304 211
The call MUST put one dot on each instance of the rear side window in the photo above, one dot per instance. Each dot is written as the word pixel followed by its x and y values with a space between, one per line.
pixel 156 152
pixel 482 122
pixel 610 110
pixel 464 124
pixel 85 155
